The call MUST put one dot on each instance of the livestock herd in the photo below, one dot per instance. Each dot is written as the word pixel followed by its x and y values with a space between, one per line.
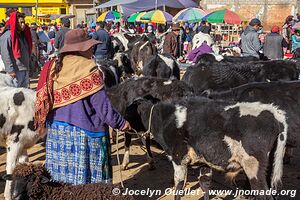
pixel 234 115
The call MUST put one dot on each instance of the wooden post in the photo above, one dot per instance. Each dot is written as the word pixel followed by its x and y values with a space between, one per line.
pixel 36 10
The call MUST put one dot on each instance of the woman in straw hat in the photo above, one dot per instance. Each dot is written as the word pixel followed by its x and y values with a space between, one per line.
pixel 72 105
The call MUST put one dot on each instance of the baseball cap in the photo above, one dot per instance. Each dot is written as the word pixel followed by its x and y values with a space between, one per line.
pixel 254 22
pixel 275 29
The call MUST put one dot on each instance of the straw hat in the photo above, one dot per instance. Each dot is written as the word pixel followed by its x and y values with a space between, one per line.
pixel 175 27
pixel 77 40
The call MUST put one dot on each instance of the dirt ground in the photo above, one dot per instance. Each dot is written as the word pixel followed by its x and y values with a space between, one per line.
pixel 138 176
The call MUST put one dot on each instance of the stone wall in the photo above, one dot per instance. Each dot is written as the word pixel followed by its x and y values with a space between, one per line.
pixel 271 12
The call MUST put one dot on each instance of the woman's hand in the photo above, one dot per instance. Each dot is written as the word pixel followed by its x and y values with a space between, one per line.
pixel 126 127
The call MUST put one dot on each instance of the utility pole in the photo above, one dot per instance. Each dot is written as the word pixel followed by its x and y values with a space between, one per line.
pixel 36 10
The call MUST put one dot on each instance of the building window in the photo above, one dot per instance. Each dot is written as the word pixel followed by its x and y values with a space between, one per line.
pixel 63 11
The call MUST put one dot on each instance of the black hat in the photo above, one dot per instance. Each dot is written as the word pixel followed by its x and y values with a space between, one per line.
pixel 66 22
pixel 254 22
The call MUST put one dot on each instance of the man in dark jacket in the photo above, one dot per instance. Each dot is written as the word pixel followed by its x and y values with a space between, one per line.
pixel 60 36
pixel 273 46
pixel 170 45
pixel 249 39
pixel 104 50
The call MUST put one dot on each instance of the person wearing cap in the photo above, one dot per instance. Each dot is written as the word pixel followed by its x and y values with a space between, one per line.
pixel 103 50
pixel 60 35
pixel 170 45
pixel 16 48
pixel 71 103
pixel 273 45
pixel 250 42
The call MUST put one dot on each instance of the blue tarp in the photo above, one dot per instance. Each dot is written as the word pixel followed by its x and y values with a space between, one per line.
pixel 132 6
pixel 114 3
pixel 150 4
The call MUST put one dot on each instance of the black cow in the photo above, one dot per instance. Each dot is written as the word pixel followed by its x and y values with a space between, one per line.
pixel 225 75
pixel 162 66
pixel 163 89
pixel 286 95
pixel 228 137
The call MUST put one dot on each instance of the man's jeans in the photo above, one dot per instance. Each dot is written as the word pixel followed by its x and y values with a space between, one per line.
pixel 22 79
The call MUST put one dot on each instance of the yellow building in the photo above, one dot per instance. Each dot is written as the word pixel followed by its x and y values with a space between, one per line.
pixel 45 7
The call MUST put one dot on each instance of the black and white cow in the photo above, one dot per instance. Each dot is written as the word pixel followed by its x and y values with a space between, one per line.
pixel 285 94
pixel 125 41
pixel 220 76
pixel 140 54
pixel 17 132
pixel 124 63
pixel 210 58
pixel 122 40
pixel 111 71
pixel 162 89
pixel 225 136
pixel 162 66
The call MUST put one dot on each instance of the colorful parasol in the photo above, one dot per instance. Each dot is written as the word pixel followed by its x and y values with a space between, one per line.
pixel 136 17
pixel 109 16
pixel 223 16
pixel 157 16
pixel 190 15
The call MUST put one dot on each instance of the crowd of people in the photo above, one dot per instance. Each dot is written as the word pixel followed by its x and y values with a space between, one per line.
pixel 77 147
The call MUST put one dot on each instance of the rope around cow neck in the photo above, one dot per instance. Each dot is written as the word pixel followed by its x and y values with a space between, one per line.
pixel 139 134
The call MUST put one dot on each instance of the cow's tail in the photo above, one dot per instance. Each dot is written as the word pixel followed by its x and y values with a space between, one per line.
pixel 277 171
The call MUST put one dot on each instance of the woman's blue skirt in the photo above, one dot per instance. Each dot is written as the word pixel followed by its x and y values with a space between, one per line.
pixel 74 157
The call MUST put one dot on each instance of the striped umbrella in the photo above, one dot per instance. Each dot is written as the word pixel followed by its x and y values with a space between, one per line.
pixel 223 16
pixel 157 16
pixel 190 15
pixel 109 16
pixel 136 17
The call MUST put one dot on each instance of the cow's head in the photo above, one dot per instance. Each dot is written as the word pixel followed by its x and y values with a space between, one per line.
pixel 124 63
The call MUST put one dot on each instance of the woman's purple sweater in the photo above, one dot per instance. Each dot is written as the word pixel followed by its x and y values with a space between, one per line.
pixel 93 113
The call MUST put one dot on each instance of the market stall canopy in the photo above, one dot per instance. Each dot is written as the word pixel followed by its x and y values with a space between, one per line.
pixel 142 5
pixel 132 6
pixel 157 16
pixel 190 15
pixel 136 17
pixel 114 3
pixel 109 16
pixel 223 16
